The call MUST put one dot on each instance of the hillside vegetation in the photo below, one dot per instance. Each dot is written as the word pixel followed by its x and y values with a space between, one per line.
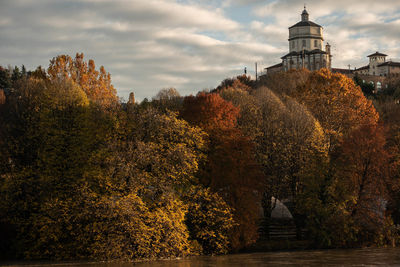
pixel 86 176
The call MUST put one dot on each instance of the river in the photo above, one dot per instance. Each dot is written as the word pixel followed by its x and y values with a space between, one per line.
pixel 334 257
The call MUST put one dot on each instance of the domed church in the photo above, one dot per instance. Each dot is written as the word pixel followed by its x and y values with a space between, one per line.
pixel 305 47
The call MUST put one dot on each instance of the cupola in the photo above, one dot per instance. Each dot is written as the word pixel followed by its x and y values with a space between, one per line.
pixel 304 15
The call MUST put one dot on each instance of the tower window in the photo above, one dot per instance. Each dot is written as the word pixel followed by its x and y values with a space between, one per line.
pixel 304 43
pixel 315 43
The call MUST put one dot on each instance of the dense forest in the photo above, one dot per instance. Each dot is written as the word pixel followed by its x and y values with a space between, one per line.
pixel 84 175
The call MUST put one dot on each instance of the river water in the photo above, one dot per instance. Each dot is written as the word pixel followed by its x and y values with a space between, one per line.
pixel 334 257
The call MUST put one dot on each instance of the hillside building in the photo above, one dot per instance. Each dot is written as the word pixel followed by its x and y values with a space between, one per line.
pixel 378 66
pixel 306 43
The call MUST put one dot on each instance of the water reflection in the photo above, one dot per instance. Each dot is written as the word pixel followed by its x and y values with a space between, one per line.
pixel 351 257
pixel 359 257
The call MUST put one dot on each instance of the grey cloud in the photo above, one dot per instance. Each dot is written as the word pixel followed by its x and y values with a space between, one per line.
pixel 354 28
pixel 149 45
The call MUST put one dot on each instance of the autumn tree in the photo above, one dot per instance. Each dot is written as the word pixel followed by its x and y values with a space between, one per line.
pixel 2 97
pixel 286 138
pixel 231 169
pixel 168 99
pixel 344 114
pixel 81 182
pixel 95 83
pixel 362 175
pixel 39 157
pixel 284 82
pixel 209 219
pixel 389 112
pixel 336 102
pixel 242 82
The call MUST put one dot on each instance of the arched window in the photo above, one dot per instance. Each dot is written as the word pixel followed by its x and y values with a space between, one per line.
pixel 315 43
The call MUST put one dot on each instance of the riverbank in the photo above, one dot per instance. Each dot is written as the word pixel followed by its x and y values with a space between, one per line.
pixel 329 257
pixel 279 245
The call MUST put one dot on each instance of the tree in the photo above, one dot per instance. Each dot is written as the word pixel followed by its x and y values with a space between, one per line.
pixel 344 198
pixel 39 159
pixel 366 87
pixel 231 169
pixel 284 82
pixel 336 102
pixel 168 98
pixel 2 97
pixel 5 79
pixel 78 181
pixel 16 74
pixel 361 177
pixel 250 118
pixel 209 219
pixel 96 84
pixel 242 82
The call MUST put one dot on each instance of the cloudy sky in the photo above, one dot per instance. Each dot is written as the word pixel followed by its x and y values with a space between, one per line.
pixel 191 45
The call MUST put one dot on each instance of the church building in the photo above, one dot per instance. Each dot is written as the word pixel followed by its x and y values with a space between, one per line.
pixel 305 48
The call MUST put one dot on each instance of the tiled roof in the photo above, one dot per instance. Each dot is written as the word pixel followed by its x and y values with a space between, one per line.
pixel 343 71
pixel 294 53
pixel 363 68
pixel 377 54
pixel 275 66
pixel 305 23
pixel 390 63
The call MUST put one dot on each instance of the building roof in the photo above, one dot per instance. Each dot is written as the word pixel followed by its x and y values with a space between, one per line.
pixel 342 71
pixel 305 23
pixel 275 66
pixel 377 54
pixel 390 63
pixel 363 68
pixel 294 53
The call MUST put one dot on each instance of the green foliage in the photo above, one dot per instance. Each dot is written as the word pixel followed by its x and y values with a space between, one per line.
pixel 5 78
pixel 366 87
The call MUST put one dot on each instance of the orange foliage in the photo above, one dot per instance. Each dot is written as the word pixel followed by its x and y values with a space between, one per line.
pixel 364 167
pixel 231 169
pixel 337 103
pixel 96 84
pixel 241 82
pixel 2 97
pixel 210 111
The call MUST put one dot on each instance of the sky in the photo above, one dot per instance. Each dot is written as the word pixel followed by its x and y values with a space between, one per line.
pixel 191 45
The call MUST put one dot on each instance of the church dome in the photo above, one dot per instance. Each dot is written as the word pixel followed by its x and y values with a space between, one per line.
pixel 305 23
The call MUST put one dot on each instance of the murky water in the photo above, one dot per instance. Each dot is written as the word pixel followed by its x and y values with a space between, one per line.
pixel 351 257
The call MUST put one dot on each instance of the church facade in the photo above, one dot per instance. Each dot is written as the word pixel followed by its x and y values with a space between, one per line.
pixel 306 43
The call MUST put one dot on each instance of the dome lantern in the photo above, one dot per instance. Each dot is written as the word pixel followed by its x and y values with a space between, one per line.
pixel 304 15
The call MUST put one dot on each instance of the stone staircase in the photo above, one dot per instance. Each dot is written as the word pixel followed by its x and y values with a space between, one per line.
pixel 279 229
